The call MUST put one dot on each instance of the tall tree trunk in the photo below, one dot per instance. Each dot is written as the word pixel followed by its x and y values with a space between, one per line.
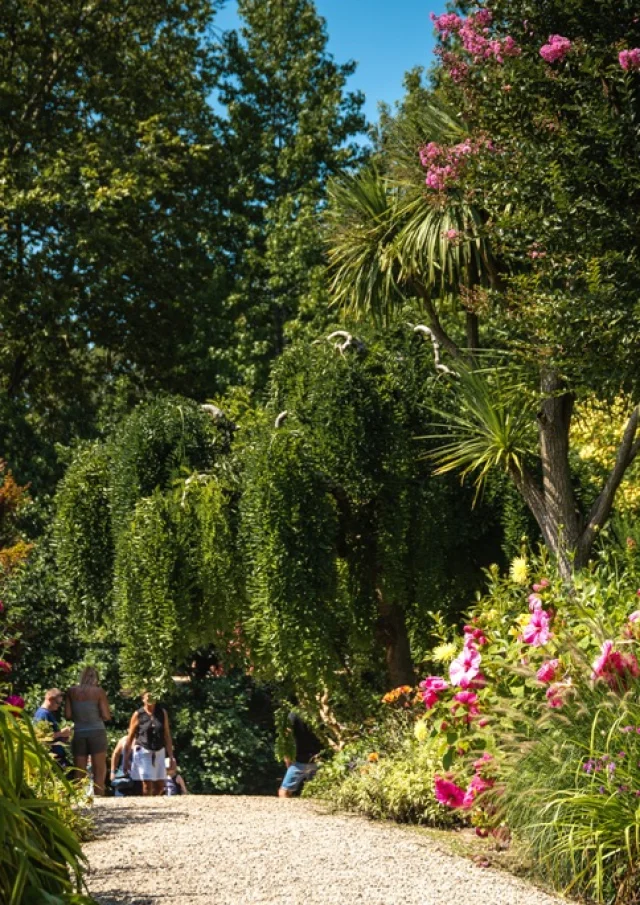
pixel 391 632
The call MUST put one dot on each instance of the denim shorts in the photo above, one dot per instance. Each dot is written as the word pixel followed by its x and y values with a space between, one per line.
pixel 296 774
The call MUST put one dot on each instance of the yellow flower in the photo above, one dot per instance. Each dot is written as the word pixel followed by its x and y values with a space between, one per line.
pixel 421 731
pixel 444 653
pixel 519 570
pixel 523 619
pixel 374 757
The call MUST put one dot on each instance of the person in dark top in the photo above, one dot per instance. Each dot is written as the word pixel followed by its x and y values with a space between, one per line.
pixel 148 743
pixel 47 713
pixel 303 767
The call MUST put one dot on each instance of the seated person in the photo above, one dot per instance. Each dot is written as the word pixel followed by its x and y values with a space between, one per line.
pixel 121 783
pixel 47 713
pixel 303 767
pixel 175 784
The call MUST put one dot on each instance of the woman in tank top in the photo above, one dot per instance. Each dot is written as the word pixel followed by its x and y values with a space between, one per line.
pixel 87 705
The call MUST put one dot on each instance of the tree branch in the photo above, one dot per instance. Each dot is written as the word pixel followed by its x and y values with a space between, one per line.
pixel 434 322
pixel 421 328
pixel 627 452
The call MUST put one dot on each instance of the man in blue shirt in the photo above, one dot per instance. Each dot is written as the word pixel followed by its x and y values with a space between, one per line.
pixel 46 713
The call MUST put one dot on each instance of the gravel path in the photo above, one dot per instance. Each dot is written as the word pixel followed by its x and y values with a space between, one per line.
pixel 226 850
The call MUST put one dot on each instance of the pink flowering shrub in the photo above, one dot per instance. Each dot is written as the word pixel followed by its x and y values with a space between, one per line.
pixel 630 59
pixel 556 49
pixel 445 165
pixel 474 34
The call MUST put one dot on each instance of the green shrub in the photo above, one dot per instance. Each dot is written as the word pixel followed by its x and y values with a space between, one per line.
pixel 388 775
pixel 224 736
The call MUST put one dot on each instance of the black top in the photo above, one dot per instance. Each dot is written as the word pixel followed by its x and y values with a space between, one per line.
pixel 150 732
pixel 307 743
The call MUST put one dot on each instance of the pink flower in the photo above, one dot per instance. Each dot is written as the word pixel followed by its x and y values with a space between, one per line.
pixel 614 667
pixel 555 695
pixel 630 59
pixel 476 787
pixel 465 667
pixel 547 671
pixel 448 793
pixel 431 687
pixel 541 585
pixel 1 607
pixel 537 631
pixel 468 700
pixel 482 762
pixel 535 603
pixel 556 50
pixel 634 617
pixel 452 234
pixel 446 24
pixel 4 666
pixel 14 700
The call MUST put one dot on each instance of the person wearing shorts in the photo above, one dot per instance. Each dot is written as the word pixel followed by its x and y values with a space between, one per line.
pixel 303 767
pixel 87 705
pixel 148 743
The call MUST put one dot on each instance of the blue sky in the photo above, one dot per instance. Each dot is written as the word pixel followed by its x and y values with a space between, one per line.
pixel 385 38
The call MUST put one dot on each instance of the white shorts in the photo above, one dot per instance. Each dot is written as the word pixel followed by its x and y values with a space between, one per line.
pixel 148 766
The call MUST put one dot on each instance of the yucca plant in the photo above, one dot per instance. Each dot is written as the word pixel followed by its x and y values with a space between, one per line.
pixel 41 861
pixel 490 424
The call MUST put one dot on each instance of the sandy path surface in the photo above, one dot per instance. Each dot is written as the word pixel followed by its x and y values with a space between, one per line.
pixel 225 850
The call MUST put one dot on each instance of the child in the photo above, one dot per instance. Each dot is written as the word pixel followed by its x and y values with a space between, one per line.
pixel 175 784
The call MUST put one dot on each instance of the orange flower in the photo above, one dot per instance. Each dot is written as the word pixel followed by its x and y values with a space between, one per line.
pixel 374 757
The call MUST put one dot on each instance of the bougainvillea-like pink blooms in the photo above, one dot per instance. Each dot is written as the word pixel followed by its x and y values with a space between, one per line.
pixel 548 671
pixel 4 666
pixel 465 668
pixel 446 24
pixel 430 688
pixel 556 49
pixel 630 59
pixel 634 617
pixel 541 585
pixel 536 632
pixel 14 700
pixel 448 793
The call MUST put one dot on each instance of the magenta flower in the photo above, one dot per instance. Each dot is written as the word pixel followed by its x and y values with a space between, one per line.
pixel 541 585
pixel 431 687
pixel 476 787
pixel 535 603
pixel 4 666
pixel 630 59
pixel 537 631
pixel 634 617
pixel 465 668
pixel 555 695
pixel 452 234
pixel 601 662
pixel 14 700
pixel 448 793
pixel 614 667
pixel 556 49
pixel 548 671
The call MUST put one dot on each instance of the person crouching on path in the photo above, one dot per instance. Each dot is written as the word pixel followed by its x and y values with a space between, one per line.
pixel 148 743
pixel 303 767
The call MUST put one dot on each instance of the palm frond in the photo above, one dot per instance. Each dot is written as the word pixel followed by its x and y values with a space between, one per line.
pixel 491 425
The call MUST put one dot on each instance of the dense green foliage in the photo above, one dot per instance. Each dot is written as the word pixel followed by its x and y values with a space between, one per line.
pixel 224 735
